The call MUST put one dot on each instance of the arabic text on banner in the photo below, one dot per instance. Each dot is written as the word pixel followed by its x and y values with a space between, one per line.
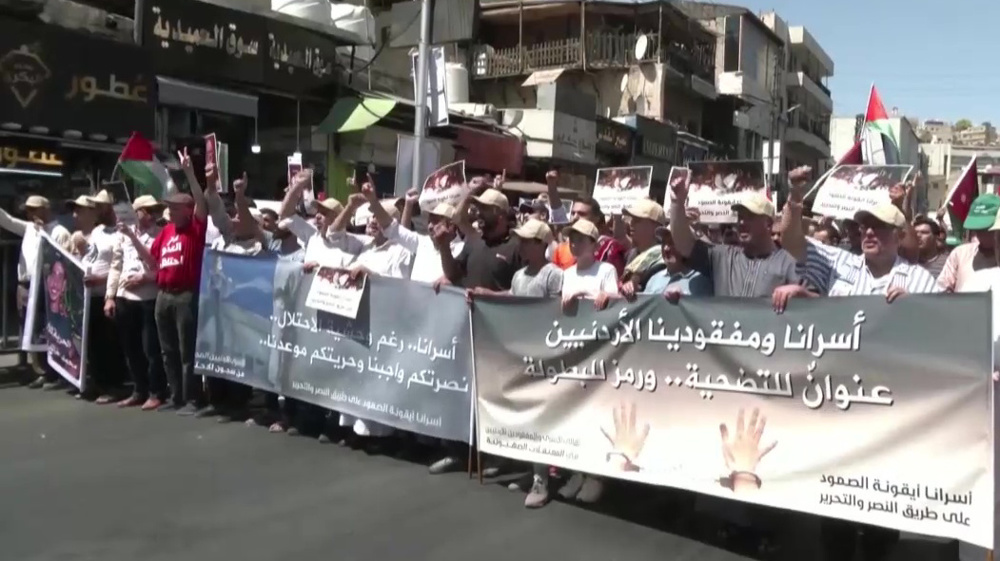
pixel 848 189
pixel 67 311
pixel 615 189
pixel 714 187
pixel 848 407
pixel 394 363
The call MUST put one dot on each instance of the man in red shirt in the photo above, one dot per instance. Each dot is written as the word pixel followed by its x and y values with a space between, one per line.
pixel 177 255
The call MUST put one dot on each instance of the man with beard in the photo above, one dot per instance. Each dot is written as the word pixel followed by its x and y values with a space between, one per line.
pixel 751 269
pixel 487 261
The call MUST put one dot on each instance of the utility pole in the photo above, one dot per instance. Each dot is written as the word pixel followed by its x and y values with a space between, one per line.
pixel 420 95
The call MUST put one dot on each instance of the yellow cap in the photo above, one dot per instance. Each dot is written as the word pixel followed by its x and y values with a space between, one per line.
pixel 648 209
pixel 755 202
pixel 886 213
pixel 494 198
pixel 534 229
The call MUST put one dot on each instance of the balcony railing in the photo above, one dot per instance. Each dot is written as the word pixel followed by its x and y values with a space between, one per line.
pixel 602 50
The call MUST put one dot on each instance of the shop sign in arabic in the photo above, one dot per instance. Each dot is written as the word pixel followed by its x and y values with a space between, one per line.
pixel 16 157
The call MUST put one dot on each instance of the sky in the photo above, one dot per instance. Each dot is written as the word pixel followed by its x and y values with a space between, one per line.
pixel 932 60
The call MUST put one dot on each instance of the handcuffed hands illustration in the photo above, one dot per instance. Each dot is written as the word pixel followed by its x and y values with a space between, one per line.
pixel 743 451
pixel 628 438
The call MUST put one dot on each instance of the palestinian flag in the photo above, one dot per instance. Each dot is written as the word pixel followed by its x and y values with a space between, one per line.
pixel 881 146
pixel 139 162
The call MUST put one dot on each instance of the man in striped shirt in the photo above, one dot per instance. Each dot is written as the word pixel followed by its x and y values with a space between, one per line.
pixel 832 271
pixel 752 269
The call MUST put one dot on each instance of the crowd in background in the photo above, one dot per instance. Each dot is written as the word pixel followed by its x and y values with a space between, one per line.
pixel 145 279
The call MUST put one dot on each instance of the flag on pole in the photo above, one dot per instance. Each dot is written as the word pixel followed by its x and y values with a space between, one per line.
pixel 139 162
pixel 850 158
pixel 880 144
pixel 959 198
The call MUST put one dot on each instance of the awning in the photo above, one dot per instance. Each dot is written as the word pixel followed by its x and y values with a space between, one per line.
pixel 542 77
pixel 355 114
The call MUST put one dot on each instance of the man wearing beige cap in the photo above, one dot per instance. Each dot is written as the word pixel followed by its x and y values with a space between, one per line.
pixel 426 258
pixel 316 237
pixel 832 271
pixel 751 269
pixel 130 301
pixel 94 219
pixel 374 254
pixel 39 219
pixel 488 261
pixel 642 219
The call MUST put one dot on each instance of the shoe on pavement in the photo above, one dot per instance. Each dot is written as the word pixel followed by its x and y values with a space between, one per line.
pixel 188 410
pixel 538 496
pixel 131 401
pixel 591 491
pixel 151 404
pixel 53 386
pixel 207 411
pixel 169 406
pixel 572 487
pixel 444 465
pixel 37 383
pixel 521 484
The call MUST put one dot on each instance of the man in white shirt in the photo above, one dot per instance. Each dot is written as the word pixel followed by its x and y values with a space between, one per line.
pixel 130 301
pixel 105 365
pixel 39 214
pixel 426 258
pixel 375 255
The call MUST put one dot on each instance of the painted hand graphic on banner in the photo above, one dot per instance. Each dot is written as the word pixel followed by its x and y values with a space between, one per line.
pixel 743 451
pixel 628 440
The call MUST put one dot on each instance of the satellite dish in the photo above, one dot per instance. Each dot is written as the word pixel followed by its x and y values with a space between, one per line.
pixel 641 45
pixel 624 84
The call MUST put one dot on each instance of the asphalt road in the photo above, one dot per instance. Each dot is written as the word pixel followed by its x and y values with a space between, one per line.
pixel 82 482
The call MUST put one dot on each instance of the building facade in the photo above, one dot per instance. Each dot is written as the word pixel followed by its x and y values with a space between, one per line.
pixel 977 135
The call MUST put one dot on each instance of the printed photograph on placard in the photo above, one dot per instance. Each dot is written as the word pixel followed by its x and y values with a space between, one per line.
pixel 335 291
pixel 714 187
pixel 616 188
pixel 540 208
pixel 848 189
pixel 212 161
pixel 446 185
pixel 677 175
pixel 67 303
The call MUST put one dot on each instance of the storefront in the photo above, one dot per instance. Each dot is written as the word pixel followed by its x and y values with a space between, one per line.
pixel 260 84
pixel 615 143
pixel 655 145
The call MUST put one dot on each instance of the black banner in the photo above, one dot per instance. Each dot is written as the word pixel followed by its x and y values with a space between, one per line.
pixel 201 40
pixel 298 59
pixel 64 80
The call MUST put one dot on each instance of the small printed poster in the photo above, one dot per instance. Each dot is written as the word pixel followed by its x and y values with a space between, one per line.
pixel 446 185
pixel 334 291
pixel 67 311
pixel 212 178
pixel 715 186
pixel 615 189
pixel 677 175
pixel 850 188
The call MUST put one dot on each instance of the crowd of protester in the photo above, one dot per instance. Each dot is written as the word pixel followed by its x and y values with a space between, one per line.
pixel 145 279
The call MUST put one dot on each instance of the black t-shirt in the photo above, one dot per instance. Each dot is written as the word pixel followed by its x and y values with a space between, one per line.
pixel 489 264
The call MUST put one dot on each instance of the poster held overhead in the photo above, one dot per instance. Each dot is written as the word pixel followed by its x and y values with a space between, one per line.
pixel 715 186
pixel 677 174
pixel 446 185
pixel 617 188
pixel 848 189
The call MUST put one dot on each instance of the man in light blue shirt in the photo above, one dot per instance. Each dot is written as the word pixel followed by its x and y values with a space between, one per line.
pixel 677 278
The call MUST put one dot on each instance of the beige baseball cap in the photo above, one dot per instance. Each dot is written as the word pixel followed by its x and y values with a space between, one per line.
pixel 103 198
pixel 82 201
pixel 494 198
pixel 390 208
pixel 585 227
pixel 886 213
pixel 36 201
pixel 145 202
pixel 330 204
pixel 648 209
pixel 756 203
pixel 534 229
pixel 444 210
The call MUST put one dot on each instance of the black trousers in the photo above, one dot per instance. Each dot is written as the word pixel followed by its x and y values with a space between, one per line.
pixel 177 325
pixel 105 362
pixel 136 323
